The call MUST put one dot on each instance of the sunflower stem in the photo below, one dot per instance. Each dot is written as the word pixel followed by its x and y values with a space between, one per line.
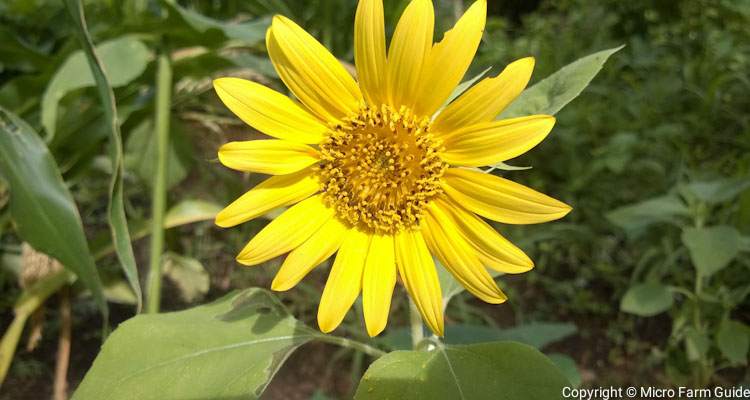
pixel 415 321
pixel 159 195
pixel 352 344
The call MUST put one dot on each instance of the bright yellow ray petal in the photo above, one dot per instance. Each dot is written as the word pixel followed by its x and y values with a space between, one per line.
pixel 449 59
pixel 321 245
pixel 286 232
pixel 493 250
pixel 311 72
pixel 420 278
pixel 499 199
pixel 344 281
pixel 369 51
pixel 377 283
pixel 408 51
pixel 269 111
pixel 458 257
pixel 274 157
pixel 277 191
pixel 489 143
pixel 487 99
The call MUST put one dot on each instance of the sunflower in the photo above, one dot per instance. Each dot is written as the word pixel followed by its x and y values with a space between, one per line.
pixel 379 170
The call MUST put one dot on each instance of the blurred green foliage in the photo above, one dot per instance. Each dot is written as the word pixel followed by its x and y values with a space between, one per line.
pixel 640 156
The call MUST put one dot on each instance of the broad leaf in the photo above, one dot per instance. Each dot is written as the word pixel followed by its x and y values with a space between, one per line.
pixel 636 217
pixel 557 90
pixel 568 367
pixel 124 59
pixel 118 224
pixel 210 32
pixel 647 299
pixel 535 334
pixel 229 349
pixel 718 191
pixel 41 205
pixel 733 340
pixel 713 248
pixel 497 371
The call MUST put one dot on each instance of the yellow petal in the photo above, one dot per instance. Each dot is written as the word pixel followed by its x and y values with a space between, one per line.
pixel 410 45
pixel 449 59
pixel 277 191
pixel 321 245
pixel 369 50
pixel 311 72
pixel 344 281
pixel 487 99
pixel 493 250
pixel 420 278
pixel 501 200
pixel 286 232
pixel 458 257
pixel 269 111
pixel 377 283
pixel 489 143
pixel 274 157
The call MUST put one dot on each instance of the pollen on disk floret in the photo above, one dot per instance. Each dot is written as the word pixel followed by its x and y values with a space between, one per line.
pixel 380 167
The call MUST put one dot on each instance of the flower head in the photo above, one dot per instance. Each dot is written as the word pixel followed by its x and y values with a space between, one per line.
pixel 376 172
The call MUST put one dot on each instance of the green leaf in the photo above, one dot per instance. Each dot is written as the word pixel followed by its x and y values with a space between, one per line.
pixel 647 299
pixel 124 59
pixel 535 334
pixel 497 371
pixel 568 367
pixel 228 349
pixel 209 31
pixel 636 217
pixel 41 205
pixel 718 191
pixel 557 90
pixel 141 157
pixel 733 340
pixel 464 86
pixel 188 275
pixel 449 285
pixel 116 218
pixel 696 344
pixel 713 248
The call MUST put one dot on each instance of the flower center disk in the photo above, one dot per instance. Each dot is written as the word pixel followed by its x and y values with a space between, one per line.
pixel 380 168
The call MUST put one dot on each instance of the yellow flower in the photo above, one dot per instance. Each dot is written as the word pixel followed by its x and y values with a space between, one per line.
pixel 377 171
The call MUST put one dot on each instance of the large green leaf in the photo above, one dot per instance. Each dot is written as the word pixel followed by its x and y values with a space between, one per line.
pixel 124 59
pixel 713 248
pixel 41 205
pixel 557 90
pixel 497 371
pixel 116 218
pixel 718 191
pixel 647 299
pixel 229 349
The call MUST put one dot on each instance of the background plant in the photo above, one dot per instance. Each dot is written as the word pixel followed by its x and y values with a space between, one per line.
pixel 666 115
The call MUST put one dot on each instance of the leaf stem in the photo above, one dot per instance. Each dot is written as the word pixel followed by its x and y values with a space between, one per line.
pixel 159 195
pixel 415 321
pixel 351 344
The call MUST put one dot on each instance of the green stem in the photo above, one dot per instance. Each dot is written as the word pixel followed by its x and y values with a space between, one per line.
pixel 159 196
pixel 351 344
pixel 31 299
pixel 415 321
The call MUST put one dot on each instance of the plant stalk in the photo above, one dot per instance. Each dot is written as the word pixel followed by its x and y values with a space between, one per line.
pixel 415 321
pixel 159 195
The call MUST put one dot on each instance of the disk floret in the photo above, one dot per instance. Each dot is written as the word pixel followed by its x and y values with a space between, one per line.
pixel 380 168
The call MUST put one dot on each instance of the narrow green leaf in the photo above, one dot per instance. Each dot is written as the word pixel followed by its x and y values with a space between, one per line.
pixel 557 90
pixel 41 205
pixel 733 340
pixel 497 371
pixel 115 209
pixel 124 58
pixel 713 248
pixel 229 349
pixel 647 299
